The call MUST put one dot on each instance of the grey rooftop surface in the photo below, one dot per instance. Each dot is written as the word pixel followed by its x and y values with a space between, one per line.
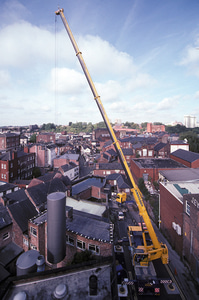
pixel 89 226
pixel 188 174
pixel 163 163
pixel 85 184
pixel 186 155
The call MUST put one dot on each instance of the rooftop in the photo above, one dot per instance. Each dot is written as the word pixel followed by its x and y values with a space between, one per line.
pixel 158 163
pixel 188 174
pixel 186 155
pixel 178 189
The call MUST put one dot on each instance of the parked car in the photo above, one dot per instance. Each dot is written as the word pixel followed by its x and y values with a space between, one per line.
pixel 120 215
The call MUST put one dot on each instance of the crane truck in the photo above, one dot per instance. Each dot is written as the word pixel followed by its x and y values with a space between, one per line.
pixel 143 255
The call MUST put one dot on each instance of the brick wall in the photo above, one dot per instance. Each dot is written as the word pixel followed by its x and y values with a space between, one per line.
pixel 190 230
pixel 171 210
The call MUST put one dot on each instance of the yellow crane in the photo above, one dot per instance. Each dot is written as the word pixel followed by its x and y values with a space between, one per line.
pixel 156 249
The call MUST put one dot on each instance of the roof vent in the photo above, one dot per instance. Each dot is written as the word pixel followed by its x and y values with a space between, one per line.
pixel 40 262
pixel 60 291
pixel 20 296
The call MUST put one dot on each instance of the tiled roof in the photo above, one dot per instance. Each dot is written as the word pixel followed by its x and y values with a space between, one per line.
pixel 159 146
pixel 38 193
pixel 110 166
pixel 186 155
pixel 22 211
pixel 89 226
pixel 5 218
pixel 85 184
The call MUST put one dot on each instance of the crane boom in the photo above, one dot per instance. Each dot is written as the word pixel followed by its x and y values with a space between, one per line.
pixel 157 250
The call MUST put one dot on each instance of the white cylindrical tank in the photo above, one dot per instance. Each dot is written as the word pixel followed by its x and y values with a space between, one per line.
pixel 56 227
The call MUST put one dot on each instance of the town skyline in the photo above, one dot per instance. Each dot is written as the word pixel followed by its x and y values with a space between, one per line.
pixel 143 59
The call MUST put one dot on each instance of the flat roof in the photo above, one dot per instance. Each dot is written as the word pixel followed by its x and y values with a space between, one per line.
pixel 188 174
pixel 179 188
pixel 158 163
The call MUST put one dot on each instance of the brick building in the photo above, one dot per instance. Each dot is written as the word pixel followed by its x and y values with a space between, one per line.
pixel 45 137
pixel 9 141
pixel 188 158
pixel 16 165
pixel 84 231
pixel 190 232
pixel 66 159
pixel 105 169
pixel 141 167
pixel 179 210
pixel 154 128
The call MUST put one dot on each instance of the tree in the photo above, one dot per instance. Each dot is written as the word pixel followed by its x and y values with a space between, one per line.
pixel 33 138
pixel 36 172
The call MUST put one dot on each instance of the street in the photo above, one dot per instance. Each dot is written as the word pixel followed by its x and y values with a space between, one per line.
pixel 167 291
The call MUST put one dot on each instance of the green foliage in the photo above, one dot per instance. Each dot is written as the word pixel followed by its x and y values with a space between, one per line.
pixel 33 138
pixel 48 127
pixel 175 129
pixel 193 140
pixel 143 189
pixel 132 125
pixel 144 125
pixel 158 123
pixel 36 172
pixel 83 256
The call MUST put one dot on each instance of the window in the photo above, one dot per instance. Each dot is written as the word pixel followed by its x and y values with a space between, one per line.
pixel 81 244
pixel 93 248
pixel 150 153
pixel 144 151
pixel 70 240
pixel 25 241
pixel 2 166
pixel 33 231
pixel 187 208
pixel 11 165
pixel 6 236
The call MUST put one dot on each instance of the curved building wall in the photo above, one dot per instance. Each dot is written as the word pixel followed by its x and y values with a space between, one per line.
pixel 56 227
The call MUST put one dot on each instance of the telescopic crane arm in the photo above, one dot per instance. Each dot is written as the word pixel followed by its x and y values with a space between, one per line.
pixel 158 250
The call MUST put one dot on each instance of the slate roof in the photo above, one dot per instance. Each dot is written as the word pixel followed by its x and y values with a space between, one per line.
pixel 6 186
pixel 85 184
pixel 89 226
pixel 159 146
pixel 21 212
pixel 110 166
pixel 38 193
pixel 121 180
pixel 8 253
pixel 186 155
pixel 16 196
pixel 127 151
pixel 8 155
pixel 5 219
pixel 70 156
pixel 69 166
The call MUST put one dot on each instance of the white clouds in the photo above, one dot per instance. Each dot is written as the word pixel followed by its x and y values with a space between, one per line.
pixel 67 81
pixel 169 103
pixel 24 45
pixel 191 58
pixel 4 78
pixel 37 64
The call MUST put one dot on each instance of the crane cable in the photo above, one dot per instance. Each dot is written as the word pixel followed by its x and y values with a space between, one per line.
pixel 55 71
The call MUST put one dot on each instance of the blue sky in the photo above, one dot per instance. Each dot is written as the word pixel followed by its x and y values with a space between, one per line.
pixel 143 56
